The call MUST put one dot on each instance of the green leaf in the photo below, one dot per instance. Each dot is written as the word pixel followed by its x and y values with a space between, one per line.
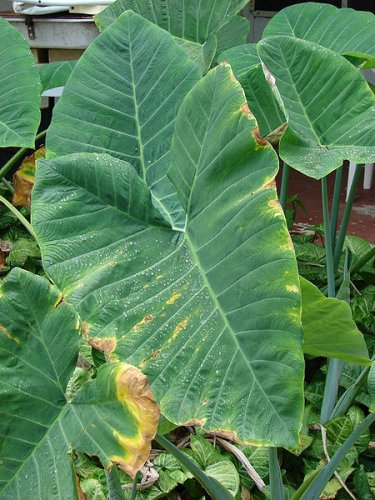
pixel 55 74
pixel 361 484
pixel 319 482
pixel 93 488
pixel 126 105
pixel 213 487
pixel 214 326
pixel 248 70
pixel 235 32
pixel 241 58
pixel 202 55
pixel 20 90
pixel 194 21
pixel 166 461
pixel 328 104
pixel 346 31
pixel 314 391
pixel 258 456
pixel 226 473
pixel 38 352
pixel 204 452
pixel 202 30
pixel 328 327
pixel 340 428
pixel 23 249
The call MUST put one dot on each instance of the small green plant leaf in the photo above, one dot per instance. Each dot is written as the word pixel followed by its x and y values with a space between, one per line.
pixel 328 327
pixel 55 74
pixel 318 484
pixel 361 484
pixel 226 473
pixel 204 452
pixel 328 104
pixel 216 490
pixel 20 90
pixel 113 416
pixel 346 31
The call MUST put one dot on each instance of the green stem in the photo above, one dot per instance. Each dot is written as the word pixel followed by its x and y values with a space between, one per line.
pixel 355 268
pixel 328 242
pixel 284 186
pixel 346 218
pixel 18 156
pixel 346 400
pixel 331 389
pixel 276 480
pixel 19 216
pixel 334 365
pixel 336 203
pixel 319 483
pixel 134 489
pixel 8 185
pixel 211 485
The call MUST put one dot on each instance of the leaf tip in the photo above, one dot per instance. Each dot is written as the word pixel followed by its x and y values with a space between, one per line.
pixel 134 391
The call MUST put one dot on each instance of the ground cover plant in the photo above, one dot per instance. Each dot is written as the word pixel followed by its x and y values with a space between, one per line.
pixel 169 282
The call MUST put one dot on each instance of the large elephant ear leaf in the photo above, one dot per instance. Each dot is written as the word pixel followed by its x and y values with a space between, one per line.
pixel 192 23
pixel 20 90
pixel 115 413
pixel 126 105
pixel 329 107
pixel 210 313
pixel 188 20
pixel 346 31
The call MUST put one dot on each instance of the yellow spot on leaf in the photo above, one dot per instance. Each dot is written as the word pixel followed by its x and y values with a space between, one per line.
pixel 58 300
pixel 5 332
pixel 173 299
pixel 159 277
pixel 178 328
pixel 145 320
pixel 135 393
pixel 155 354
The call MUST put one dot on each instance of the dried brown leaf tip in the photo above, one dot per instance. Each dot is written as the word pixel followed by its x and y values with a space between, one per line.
pixel 134 391
pixel 245 108
pixel 23 179
pixel 106 345
pixel 258 137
